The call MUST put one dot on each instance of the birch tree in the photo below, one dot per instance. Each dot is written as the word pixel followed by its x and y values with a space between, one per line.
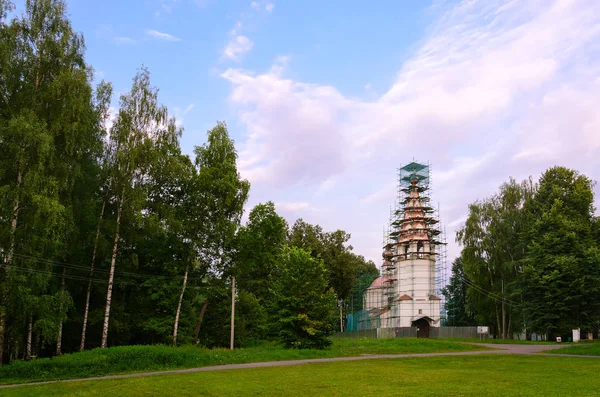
pixel 46 117
pixel 141 127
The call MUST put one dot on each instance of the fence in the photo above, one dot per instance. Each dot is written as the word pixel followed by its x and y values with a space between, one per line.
pixel 411 332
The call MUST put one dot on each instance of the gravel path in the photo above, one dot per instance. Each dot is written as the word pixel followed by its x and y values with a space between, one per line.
pixel 500 349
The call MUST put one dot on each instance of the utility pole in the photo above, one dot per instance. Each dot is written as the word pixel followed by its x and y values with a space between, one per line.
pixel 503 313
pixel 232 311
pixel 341 317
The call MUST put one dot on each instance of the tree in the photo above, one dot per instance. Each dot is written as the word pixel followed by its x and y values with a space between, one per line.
pixel 302 305
pixel 561 268
pixel 49 142
pixel 140 129
pixel 215 204
pixel 220 197
pixel 258 245
pixel 456 297
pixel 492 250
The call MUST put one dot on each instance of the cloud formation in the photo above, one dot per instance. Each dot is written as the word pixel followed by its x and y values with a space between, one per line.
pixel 237 46
pixel 161 36
pixel 497 89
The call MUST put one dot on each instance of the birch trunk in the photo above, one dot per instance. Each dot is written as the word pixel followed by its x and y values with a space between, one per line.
pixel 200 321
pixel 2 327
pixel 9 258
pixel 29 333
pixel 185 276
pixel 111 274
pixel 89 287
pixel 60 324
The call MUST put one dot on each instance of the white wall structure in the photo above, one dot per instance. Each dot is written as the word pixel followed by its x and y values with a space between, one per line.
pixel 407 292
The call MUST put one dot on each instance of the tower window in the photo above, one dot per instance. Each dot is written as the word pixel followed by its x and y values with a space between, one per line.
pixel 420 249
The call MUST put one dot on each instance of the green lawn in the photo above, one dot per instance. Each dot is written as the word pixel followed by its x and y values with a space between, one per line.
pixel 584 349
pixel 486 375
pixel 502 341
pixel 131 359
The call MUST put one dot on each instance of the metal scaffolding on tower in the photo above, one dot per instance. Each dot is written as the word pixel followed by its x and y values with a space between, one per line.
pixel 412 235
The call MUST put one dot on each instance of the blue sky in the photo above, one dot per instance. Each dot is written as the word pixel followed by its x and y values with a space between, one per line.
pixel 326 99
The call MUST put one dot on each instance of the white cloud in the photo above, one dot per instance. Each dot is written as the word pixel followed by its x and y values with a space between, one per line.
pixel 237 28
pixel 189 108
pixel 237 46
pixel 291 206
pixel 269 7
pixel 161 36
pixel 497 89
pixel 124 40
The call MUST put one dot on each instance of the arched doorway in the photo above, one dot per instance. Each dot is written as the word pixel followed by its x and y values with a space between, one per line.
pixel 422 327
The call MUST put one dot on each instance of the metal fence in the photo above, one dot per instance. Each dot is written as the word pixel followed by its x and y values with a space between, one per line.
pixel 411 332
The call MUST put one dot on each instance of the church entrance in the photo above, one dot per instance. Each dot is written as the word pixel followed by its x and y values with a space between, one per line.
pixel 422 328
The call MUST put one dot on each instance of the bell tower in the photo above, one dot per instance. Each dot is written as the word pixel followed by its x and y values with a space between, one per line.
pixel 410 257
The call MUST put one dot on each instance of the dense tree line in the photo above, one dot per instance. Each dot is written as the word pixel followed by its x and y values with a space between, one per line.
pixel 531 259
pixel 110 235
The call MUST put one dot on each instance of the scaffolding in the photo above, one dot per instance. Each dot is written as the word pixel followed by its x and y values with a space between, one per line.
pixel 412 234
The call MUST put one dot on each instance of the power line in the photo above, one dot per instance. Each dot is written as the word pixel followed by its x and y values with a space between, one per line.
pixel 479 289
pixel 87 269
pixel 80 278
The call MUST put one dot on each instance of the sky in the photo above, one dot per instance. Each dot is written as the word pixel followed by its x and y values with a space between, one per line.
pixel 327 99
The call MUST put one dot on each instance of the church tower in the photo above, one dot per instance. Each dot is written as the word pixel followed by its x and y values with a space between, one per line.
pixel 408 292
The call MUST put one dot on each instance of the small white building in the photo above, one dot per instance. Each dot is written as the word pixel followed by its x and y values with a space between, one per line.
pixel 405 294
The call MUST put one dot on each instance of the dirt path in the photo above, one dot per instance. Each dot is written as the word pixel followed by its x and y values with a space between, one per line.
pixel 500 349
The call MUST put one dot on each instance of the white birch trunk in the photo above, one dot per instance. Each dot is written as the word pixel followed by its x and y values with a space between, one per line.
pixel 185 276
pixel 89 287
pixel 111 275
pixel 60 324
pixel 9 258
pixel 29 334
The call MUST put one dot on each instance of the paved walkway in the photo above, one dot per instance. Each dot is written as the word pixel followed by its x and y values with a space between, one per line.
pixel 499 349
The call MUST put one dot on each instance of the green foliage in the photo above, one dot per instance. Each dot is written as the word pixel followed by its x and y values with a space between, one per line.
pixel 348 274
pixel 561 271
pixel 456 298
pixel 302 305
pixel 258 245
pixel 492 252
pixel 531 251
pixel 220 196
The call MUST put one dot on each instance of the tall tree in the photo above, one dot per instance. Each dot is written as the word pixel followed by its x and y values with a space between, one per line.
pixel 258 245
pixel 216 199
pixel 302 305
pixel 47 135
pixel 492 250
pixel 561 270
pixel 140 129
pixel 221 196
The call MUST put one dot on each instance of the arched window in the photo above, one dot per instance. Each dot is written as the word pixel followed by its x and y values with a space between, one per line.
pixel 406 251
pixel 420 249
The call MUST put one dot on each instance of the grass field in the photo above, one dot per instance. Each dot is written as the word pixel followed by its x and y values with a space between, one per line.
pixel 501 341
pixel 131 359
pixel 489 375
pixel 584 349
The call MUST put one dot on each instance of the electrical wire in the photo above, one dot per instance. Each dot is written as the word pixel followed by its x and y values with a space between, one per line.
pixel 492 295
pixel 87 269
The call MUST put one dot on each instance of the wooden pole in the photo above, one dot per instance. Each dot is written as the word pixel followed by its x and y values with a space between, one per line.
pixel 341 319
pixel 232 311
